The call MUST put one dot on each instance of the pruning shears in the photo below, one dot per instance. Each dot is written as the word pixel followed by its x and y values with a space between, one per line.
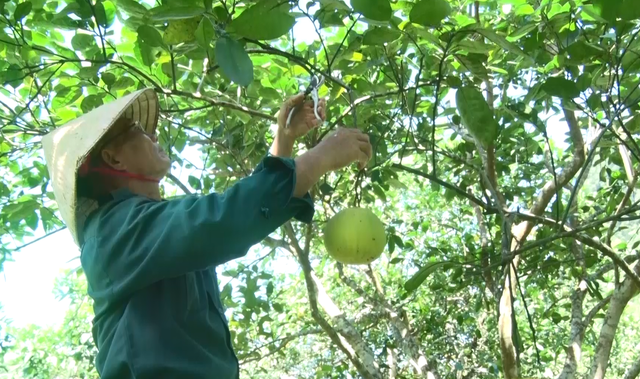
pixel 312 90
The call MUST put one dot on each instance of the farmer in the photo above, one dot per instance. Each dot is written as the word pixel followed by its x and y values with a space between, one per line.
pixel 150 263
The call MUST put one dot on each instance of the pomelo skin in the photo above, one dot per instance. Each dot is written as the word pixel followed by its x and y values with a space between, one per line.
pixel 355 236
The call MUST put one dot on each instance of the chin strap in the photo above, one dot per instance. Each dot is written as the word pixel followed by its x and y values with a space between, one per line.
pixel 86 168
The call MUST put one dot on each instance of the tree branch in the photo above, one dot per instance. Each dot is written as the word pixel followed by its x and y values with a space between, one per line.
pixel 621 297
pixel 489 209
pixel 177 182
pixel 634 371
pixel 284 341
pixel 519 235
pixel 221 103
pixel 349 341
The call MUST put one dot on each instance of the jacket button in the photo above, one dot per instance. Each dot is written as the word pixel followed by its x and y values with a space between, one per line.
pixel 265 212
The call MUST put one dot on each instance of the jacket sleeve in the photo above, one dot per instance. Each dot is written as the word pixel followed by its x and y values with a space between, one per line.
pixel 138 241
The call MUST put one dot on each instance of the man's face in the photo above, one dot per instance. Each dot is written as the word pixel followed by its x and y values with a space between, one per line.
pixel 137 152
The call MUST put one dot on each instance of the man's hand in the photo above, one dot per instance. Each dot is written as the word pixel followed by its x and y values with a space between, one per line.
pixel 339 149
pixel 301 123
pixel 304 118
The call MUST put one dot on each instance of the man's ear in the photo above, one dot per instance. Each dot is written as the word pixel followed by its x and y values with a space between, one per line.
pixel 110 157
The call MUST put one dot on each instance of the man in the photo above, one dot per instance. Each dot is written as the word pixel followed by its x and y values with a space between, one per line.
pixel 150 263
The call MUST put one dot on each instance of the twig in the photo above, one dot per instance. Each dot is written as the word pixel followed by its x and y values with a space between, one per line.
pixel 284 341
pixel 179 183
pixel 450 186
pixel 221 103
pixel 95 18
pixel 342 43
pixel 625 199
pixel 434 171
pixel 173 71
pixel 38 239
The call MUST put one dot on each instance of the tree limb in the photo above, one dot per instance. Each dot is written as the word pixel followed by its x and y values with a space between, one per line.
pixel 621 297
pixel 634 371
pixel 458 190
pixel 520 233
pixel 349 341
pixel 221 103
pixel 177 182
pixel 283 343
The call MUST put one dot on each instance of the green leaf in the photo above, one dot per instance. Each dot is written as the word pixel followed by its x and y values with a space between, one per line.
pixel 326 189
pixel 90 102
pixel 234 61
pixel 32 221
pixel 13 76
pixel 391 245
pixel 430 13
pixel 380 36
pixel 108 78
pixel 66 96
pixel 150 36
pixel 262 22
pixel 22 10
pixel 581 51
pixel 194 182
pixel 179 31
pixel 502 42
pixel 521 31
pixel 132 7
pixel 377 10
pixel 629 10
pixel 20 211
pixel 607 9
pixel 477 47
pixel 165 13
pixel 105 13
pixel 82 41
pixel 419 277
pixel 205 32
pixel 561 87
pixel 123 82
pixel 219 14
pixel 146 53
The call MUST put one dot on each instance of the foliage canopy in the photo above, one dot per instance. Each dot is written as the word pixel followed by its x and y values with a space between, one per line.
pixel 511 255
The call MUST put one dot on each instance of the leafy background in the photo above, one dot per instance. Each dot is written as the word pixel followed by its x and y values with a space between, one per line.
pixel 512 258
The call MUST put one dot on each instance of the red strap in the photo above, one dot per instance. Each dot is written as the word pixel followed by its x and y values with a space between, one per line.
pixel 85 169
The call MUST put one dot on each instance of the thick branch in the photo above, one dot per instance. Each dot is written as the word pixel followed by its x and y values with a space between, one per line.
pixel 349 341
pixel 633 276
pixel 485 240
pixel 399 327
pixel 621 297
pixel 634 370
pixel 574 350
pixel 520 233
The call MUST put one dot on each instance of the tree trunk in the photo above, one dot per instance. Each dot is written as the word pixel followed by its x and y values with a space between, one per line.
pixel 634 370
pixel 519 234
pixel 621 296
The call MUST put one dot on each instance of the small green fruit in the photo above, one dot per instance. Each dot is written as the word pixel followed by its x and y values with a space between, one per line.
pixel 355 236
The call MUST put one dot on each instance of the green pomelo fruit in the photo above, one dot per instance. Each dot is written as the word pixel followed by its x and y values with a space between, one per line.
pixel 476 115
pixel 355 236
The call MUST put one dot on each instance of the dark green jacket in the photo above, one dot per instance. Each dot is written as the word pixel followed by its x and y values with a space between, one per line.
pixel 150 267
